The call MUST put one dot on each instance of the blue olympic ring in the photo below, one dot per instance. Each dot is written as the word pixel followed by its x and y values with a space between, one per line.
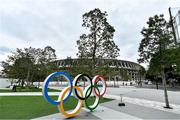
pixel 46 83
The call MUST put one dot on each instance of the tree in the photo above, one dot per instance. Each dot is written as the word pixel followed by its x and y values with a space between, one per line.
pixel 171 58
pixel 156 39
pixel 98 41
pixel 30 64
pixel 48 54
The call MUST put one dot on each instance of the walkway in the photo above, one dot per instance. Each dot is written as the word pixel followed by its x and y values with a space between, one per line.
pixel 101 112
pixel 111 110
pixel 27 93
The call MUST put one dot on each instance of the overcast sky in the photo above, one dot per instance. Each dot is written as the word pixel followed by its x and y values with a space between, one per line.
pixel 38 23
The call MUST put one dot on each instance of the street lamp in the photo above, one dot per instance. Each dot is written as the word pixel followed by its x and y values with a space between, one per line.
pixel 174 23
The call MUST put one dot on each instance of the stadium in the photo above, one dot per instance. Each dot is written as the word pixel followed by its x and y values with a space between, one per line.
pixel 132 71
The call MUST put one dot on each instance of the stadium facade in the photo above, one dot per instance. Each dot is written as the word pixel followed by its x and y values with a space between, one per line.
pixel 133 70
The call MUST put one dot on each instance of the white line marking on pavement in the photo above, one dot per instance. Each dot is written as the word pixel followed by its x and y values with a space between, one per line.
pixel 148 103
pixel 27 94
pixel 105 113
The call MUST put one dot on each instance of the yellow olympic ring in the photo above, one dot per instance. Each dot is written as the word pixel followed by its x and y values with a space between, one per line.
pixel 78 107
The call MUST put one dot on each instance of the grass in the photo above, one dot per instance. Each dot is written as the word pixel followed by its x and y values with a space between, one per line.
pixel 28 107
pixel 26 89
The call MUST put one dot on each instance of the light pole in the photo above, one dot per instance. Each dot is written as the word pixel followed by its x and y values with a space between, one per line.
pixel 175 23
pixel 171 22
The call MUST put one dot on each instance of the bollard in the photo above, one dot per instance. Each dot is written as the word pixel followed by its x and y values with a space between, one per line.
pixel 121 103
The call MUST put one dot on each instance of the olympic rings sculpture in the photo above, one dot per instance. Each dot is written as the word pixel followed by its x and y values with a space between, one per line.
pixel 74 89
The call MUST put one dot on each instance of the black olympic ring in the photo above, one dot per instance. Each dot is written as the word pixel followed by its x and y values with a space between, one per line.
pixel 75 81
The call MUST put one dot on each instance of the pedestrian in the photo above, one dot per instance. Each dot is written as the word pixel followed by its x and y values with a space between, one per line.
pixel 14 88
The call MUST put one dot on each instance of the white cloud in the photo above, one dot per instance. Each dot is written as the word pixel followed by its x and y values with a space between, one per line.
pixel 57 23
